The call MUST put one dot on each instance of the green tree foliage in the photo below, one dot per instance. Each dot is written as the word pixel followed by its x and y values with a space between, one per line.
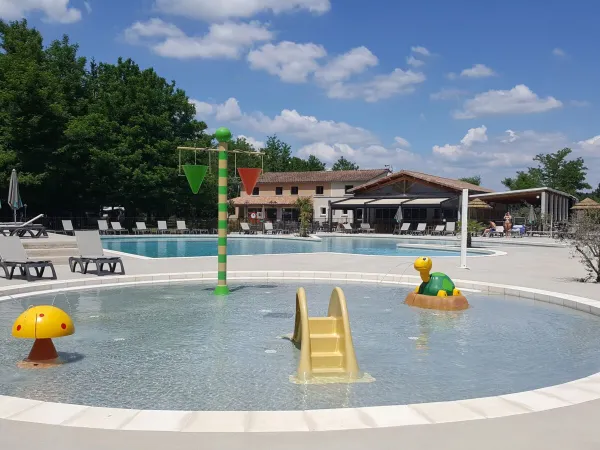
pixel 344 164
pixel 305 205
pixel 554 171
pixel 83 135
pixel 476 180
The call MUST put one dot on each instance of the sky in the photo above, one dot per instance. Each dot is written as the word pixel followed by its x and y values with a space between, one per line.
pixel 449 88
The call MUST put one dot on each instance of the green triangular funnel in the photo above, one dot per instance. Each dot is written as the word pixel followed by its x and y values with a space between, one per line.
pixel 195 176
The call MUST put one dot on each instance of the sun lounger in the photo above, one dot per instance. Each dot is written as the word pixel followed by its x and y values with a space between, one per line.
pixel 91 251
pixel 366 228
pixel 450 228
pixel 246 228
pixel 67 227
pixel 347 228
pixel 439 229
pixel 162 227
pixel 498 231
pixel 141 228
pixel 420 229
pixel 117 228
pixel 269 228
pixel 103 227
pixel 405 228
pixel 181 227
pixel 13 256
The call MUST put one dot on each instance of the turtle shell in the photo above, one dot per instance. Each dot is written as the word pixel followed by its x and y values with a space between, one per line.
pixel 437 282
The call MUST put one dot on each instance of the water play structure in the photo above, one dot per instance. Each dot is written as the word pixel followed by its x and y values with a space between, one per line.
pixel 42 323
pixel 437 290
pixel 326 349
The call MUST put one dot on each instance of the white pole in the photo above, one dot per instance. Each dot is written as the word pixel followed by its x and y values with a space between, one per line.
pixel 464 228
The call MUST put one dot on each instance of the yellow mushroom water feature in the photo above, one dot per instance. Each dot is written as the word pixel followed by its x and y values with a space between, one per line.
pixel 42 323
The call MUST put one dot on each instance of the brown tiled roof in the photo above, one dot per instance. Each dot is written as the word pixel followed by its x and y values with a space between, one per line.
pixel 321 176
pixel 449 183
pixel 259 200
pixel 588 203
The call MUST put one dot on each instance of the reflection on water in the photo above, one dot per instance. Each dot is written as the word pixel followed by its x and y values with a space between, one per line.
pixel 180 347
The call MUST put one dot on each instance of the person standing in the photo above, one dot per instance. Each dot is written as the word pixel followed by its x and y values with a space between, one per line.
pixel 507 224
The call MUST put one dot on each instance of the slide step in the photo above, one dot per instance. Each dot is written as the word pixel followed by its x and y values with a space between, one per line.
pixel 325 342
pixel 327 360
pixel 322 325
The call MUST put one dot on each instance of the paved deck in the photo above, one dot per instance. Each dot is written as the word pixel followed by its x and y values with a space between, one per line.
pixel 573 427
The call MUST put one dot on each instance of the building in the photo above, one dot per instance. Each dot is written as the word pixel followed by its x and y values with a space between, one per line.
pixel 434 200
pixel 275 194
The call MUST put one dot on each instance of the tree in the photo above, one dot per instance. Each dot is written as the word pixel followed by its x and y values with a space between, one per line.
pixel 553 171
pixel 476 180
pixel 584 240
pixel 305 205
pixel 344 164
pixel 278 155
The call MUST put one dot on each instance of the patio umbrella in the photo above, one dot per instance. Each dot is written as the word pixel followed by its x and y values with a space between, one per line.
pixel 398 215
pixel 478 204
pixel 531 217
pixel 586 204
pixel 14 199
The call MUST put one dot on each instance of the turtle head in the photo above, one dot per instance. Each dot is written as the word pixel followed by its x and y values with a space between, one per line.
pixel 423 266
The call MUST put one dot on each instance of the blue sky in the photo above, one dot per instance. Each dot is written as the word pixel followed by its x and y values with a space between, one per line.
pixel 455 89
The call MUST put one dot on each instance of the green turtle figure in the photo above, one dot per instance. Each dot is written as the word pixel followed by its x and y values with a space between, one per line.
pixel 435 284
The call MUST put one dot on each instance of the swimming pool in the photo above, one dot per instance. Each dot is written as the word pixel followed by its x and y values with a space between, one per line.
pixel 177 346
pixel 168 247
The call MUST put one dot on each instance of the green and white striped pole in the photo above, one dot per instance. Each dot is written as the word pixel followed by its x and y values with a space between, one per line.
pixel 223 135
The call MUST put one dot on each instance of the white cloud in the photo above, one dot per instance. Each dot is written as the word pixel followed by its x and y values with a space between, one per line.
pixel 226 40
pixel 512 137
pixel 257 145
pixel 451 76
pixel 580 103
pixel 478 71
pixel 88 6
pixel 57 11
pixel 211 10
pixel 344 66
pixel 203 109
pixel 306 129
pixel 420 50
pixel 289 61
pixel 448 94
pixel 559 52
pixel 518 100
pixel 474 135
pixel 412 61
pixel 402 142
pixel 379 87
pixel 591 145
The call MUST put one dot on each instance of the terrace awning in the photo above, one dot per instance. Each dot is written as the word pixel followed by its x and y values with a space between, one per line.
pixel 426 201
pixel 388 202
pixel 352 203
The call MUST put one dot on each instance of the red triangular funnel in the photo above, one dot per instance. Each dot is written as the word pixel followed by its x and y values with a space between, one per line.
pixel 195 176
pixel 249 178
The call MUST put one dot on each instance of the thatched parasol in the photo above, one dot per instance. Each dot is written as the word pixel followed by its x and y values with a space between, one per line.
pixel 478 204
pixel 586 204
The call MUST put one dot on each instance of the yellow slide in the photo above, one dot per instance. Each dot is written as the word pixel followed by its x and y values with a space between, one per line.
pixel 325 343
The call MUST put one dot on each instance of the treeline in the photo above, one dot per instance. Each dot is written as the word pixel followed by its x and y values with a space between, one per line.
pixel 85 134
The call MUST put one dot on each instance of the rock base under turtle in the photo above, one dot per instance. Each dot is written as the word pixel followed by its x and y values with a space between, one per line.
pixel 451 303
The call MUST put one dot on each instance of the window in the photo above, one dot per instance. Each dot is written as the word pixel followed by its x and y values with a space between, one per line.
pixel 323 211
pixel 359 214
pixel 344 212
pixel 294 190
pixel 348 187
pixel 290 214
pixel 255 191
pixel 319 190
pixel 271 213
pixel 278 190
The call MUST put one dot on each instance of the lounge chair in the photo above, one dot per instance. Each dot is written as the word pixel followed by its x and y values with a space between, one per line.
pixel 347 228
pixel 269 228
pixel 498 231
pixel 117 228
pixel 13 256
pixel 366 228
pixel 182 227
pixel 103 227
pixel 420 229
pixel 450 228
pixel 91 251
pixel 439 229
pixel 67 227
pixel 162 227
pixel 246 228
pixel 405 228
pixel 141 228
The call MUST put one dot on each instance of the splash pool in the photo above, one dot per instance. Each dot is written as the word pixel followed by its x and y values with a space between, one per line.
pixel 177 247
pixel 179 347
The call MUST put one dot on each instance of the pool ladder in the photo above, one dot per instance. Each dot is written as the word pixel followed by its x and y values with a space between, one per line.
pixel 325 343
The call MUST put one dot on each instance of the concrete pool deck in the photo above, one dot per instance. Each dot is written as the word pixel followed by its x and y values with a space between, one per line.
pixel 534 267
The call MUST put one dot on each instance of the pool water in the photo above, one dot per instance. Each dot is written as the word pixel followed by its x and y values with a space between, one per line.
pixel 184 247
pixel 179 347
